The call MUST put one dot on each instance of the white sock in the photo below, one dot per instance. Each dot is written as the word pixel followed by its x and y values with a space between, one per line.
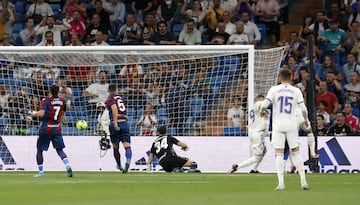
pixel 291 159
pixel 280 167
pixel 299 163
pixel 311 143
pixel 258 162
pixel 249 162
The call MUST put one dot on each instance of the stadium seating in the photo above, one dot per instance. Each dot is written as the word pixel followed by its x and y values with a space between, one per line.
pixel 19 7
pixel 262 29
pixel 18 27
pixel 177 28
pixel 232 131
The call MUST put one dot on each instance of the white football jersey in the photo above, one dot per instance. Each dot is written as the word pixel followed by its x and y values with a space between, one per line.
pixel 258 123
pixel 286 100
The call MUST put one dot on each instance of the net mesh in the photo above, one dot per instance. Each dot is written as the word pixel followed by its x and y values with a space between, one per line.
pixel 190 90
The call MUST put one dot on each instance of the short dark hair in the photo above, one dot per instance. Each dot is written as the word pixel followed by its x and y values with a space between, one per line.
pixel 161 130
pixel 323 102
pixel 112 88
pixel 285 74
pixel 161 22
pixel 54 89
pixel 321 116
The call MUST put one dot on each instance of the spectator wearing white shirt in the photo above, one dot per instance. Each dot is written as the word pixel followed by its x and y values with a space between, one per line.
pixel 39 7
pixel 49 40
pixel 190 35
pixel 230 28
pixel 97 92
pixel 49 24
pixel 99 40
pixel 230 6
pixel 238 38
pixel 235 114
pixel 103 118
pixel 250 29
pixel 148 122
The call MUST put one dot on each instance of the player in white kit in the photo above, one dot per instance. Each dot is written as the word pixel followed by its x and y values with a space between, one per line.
pixel 258 126
pixel 286 99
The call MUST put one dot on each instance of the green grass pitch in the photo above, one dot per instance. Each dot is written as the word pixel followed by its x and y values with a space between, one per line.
pixel 102 188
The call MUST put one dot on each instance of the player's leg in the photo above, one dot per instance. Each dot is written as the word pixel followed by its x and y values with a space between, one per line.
pixel 115 140
pixel 255 169
pixel 125 138
pixel 311 143
pixel 287 156
pixel 257 152
pixel 40 161
pixel 278 142
pixel 294 142
pixel 59 145
pixel 310 139
pixel 128 155
pixel 42 144
pixel 117 156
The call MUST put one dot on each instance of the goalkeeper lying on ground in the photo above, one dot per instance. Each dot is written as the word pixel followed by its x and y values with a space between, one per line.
pixel 162 148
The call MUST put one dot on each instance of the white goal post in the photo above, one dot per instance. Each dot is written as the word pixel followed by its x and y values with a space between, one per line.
pixel 190 88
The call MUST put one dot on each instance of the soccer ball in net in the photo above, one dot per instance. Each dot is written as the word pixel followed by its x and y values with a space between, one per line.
pixel 81 125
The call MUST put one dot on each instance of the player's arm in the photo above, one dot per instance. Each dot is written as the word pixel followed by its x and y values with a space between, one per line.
pixel 151 157
pixel 39 113
pixel 182 145
pixel 304 113
pixel 114 110
pixel 264 107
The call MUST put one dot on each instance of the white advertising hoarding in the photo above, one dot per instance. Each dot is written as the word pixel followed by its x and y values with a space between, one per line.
pixel 213 154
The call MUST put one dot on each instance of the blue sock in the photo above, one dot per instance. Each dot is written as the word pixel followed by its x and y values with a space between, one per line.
pixel 40 160
pixel 286 155
pixel 41 168
pixel 128 154
pixel 63 156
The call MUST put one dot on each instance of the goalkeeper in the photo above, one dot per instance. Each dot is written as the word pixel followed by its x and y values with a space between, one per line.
pixel 162 148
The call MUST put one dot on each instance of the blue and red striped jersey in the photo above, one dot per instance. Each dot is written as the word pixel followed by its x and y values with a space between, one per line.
pixel 119 101
pixel 54 108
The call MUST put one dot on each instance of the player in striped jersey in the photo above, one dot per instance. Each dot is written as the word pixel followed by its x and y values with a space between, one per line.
pixel 119 127
pixel 258 126
pixel 51 109
pixel 286 99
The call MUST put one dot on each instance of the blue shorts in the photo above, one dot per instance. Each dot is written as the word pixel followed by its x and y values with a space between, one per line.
pixel 120 136
pixel 44 140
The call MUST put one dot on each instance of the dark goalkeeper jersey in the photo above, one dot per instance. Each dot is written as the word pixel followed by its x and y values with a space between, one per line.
pixel 162 147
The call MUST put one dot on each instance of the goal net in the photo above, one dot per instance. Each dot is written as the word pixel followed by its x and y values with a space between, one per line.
pixel 188 88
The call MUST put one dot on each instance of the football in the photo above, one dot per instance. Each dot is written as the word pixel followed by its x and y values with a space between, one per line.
pixel 81 125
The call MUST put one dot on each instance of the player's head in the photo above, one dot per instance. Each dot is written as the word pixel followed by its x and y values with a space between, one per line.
pixel 259 98
pixel 112 88
pixel 54 89
pixel 285 75
pixel 161 130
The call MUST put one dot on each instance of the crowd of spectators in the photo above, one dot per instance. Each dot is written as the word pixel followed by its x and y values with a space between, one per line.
pixel 133 22
pixel 335 36
pixel 335 53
